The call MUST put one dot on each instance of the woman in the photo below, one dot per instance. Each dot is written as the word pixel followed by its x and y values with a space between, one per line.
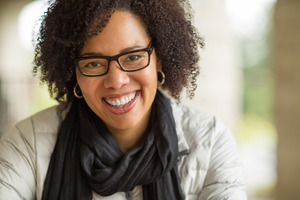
pixel 114 134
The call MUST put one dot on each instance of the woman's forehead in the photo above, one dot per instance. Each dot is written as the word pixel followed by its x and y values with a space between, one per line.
pixel 123 30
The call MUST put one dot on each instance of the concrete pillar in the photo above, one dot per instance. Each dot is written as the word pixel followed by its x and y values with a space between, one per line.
pixel 287 97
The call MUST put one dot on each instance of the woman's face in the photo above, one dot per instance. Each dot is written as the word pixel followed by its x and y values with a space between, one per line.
pixel 136 90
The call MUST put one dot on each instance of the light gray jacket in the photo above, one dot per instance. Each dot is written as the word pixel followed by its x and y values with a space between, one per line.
pixel 212 170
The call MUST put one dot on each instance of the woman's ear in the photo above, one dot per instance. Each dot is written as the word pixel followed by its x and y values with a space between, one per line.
pixel 158 65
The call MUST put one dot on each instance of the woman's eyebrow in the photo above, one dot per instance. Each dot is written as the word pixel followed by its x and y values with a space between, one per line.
pixel 136 47
pixel 90 54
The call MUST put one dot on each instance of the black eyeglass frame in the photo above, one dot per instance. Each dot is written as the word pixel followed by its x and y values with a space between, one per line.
pixel 115 58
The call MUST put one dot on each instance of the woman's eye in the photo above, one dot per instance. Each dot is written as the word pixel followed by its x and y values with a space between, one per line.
pixel 133 57
pixel 93 65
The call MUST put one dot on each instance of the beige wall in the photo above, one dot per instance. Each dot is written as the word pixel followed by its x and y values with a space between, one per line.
pixel 219 89
pixel 15 66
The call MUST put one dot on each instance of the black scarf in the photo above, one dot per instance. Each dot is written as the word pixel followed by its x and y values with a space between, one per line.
pixel 86 157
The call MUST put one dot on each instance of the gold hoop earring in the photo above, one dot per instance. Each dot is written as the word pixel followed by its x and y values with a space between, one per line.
pixel 163 77
pixel 75 92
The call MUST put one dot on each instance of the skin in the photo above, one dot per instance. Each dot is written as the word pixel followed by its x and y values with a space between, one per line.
pixel 124 32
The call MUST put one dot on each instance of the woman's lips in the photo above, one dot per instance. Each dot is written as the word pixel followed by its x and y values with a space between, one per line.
pixel 120 102
pixel 123 104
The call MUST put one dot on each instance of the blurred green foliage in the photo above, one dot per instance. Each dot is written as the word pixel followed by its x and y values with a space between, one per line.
pixel 258 84
pixel 257 72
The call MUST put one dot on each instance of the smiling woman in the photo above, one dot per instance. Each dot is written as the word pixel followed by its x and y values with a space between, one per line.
pixel 116 134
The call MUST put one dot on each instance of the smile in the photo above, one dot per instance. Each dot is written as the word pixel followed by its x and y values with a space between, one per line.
pixel 120 102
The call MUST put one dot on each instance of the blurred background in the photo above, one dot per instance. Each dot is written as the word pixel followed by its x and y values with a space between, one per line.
pixel 250 79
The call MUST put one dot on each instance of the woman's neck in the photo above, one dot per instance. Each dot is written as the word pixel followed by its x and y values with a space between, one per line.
pixel 128 140
pixel 132 137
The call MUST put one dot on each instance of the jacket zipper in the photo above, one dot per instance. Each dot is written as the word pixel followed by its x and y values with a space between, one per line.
pixel 128 195
pixel 182 154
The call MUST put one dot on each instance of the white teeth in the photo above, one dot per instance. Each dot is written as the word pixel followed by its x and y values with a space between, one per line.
pixel 121 102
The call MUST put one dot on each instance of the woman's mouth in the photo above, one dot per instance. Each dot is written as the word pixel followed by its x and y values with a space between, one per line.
pixel 122 104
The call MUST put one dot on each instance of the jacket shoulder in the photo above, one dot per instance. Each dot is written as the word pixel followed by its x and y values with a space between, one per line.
pixel 213 167
pixel 20 149
pixel 195 126
pixel 45 121
pixel 200 131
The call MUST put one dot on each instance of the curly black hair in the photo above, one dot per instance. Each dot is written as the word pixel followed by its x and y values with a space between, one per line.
pixel 67 24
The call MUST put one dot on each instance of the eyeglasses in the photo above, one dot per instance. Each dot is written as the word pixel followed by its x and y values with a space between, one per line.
pixel 128 61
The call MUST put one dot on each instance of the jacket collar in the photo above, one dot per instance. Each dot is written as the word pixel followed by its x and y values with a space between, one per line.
pixel 177 113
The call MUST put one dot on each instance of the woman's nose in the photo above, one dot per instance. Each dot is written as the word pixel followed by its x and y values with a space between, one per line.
pixel 116 78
